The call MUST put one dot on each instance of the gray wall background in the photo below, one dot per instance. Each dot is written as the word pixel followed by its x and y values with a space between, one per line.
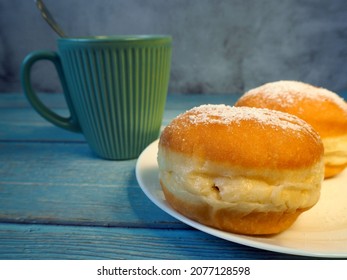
pixel 220 46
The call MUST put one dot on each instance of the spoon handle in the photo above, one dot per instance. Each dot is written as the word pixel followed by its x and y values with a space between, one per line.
pixel 49 18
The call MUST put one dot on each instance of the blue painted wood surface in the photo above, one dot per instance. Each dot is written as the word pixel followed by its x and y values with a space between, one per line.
pixel 59 201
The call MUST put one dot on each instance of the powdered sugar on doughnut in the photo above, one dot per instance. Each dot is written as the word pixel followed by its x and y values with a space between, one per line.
pixel 223 114
pixel 287 93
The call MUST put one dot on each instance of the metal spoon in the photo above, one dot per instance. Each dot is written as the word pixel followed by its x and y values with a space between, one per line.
pixel 49 18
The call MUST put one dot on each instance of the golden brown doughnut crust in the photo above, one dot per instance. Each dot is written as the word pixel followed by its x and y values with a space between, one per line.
pixel 321 108
pixel 245 138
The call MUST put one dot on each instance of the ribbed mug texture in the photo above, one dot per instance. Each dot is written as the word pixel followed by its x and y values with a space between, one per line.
pixel 118 93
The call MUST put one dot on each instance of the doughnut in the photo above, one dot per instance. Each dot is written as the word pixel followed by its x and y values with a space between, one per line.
pixel 239 169
pixel 324 110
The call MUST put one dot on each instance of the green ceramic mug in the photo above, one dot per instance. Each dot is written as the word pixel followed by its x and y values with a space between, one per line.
pixel 115 88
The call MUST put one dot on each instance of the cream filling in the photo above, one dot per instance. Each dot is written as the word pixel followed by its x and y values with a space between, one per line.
pixel 335 150
pixel 241 189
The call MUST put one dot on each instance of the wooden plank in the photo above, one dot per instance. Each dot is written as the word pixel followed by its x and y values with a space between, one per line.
pixel 20 122
pixel 26 125
pixel 174 100
pixel 65 183
pixel 19 100
pixel 70 242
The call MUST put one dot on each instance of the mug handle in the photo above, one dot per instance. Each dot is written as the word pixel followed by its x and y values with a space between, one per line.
pixel 69 123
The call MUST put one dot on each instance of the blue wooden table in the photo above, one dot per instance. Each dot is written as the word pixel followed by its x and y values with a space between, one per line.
pixel 59 201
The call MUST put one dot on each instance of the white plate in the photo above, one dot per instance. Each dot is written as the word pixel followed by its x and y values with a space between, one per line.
pixel 319 232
